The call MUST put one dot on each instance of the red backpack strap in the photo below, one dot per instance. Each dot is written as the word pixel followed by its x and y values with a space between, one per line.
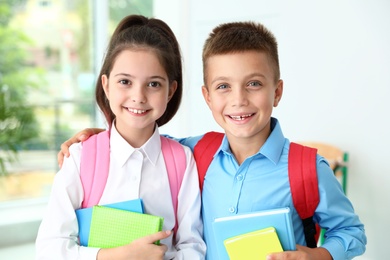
pixel 95 161
pixel 175 162
pixel 304 187
pixel 204 152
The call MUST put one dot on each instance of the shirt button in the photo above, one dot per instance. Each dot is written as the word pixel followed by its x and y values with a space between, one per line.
pixel 239 177
pixel 232 209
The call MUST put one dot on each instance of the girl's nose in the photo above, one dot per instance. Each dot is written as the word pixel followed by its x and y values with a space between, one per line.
pixel 138 95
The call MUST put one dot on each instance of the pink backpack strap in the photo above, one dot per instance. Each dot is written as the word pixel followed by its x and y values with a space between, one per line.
pixel 175 161
pixel 95 161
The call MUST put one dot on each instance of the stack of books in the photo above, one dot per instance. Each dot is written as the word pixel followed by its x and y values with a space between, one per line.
pixel 115 224
pixel 254 235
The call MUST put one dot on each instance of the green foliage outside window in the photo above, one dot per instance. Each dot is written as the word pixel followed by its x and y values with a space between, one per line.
pixel 18 124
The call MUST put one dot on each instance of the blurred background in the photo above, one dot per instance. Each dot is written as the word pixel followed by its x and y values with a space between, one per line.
pixel 335 63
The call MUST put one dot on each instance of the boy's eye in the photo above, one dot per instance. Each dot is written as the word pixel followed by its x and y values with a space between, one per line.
pixel 222 86
pixel 254 84
pixel 154 84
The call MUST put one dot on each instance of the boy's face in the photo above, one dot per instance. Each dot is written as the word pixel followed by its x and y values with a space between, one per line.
pixel 241 92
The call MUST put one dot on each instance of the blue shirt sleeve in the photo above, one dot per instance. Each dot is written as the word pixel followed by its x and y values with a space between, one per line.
pixel 345 236
pixel 187 141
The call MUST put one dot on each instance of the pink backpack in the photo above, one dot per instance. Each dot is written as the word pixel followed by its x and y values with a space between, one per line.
pixel 95 161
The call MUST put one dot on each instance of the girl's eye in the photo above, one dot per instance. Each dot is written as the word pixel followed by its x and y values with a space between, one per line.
pixel 154 84
pixel 124 82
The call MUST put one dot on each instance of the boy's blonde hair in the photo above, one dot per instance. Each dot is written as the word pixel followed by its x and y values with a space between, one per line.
pixel 239 37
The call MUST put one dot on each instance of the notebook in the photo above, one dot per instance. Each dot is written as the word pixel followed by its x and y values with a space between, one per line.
pixel 230 226
pixel 84 216
pixel 253 245
pixel 115 227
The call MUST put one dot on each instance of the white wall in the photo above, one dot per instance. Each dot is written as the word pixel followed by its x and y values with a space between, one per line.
pixel 335 63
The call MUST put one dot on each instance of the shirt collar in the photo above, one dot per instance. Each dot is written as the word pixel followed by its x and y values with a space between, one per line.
pixel 121 150
pixel 272 148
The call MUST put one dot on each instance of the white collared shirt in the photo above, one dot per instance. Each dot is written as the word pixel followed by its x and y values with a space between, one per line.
pixel 134 173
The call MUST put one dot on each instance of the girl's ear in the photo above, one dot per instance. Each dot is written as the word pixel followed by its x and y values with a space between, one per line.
pixel 172 89
pixel 104 80
pixel 278 92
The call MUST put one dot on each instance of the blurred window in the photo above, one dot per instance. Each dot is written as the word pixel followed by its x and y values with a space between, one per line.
pixel 47 78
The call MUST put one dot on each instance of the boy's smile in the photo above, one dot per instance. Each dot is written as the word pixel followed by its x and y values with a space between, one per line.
pixel 241 92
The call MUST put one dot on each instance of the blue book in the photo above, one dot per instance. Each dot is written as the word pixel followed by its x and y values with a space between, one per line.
pixel 84 216
pixel 231 226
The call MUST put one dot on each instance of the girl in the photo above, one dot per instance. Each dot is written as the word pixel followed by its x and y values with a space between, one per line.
pixel 139 89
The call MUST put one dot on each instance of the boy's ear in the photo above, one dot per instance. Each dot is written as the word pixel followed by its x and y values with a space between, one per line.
pixel 278 92
pixel 206 95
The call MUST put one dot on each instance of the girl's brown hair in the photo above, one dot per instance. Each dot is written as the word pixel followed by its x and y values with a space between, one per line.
pixel 134 32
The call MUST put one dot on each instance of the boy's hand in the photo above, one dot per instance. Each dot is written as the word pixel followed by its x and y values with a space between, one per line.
pixel 302 253
pixel 142 248
pixel 79 137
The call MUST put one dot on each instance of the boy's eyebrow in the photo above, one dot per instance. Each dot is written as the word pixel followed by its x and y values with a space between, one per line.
pixel 222 78
pixel 219 79
pixel 256 74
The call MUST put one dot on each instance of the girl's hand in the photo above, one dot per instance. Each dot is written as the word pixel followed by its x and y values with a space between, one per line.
pixel 139 249
pixel 302 253
pixel 79 137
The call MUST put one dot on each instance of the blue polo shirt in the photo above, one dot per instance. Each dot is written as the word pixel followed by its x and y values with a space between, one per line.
pixel 261 182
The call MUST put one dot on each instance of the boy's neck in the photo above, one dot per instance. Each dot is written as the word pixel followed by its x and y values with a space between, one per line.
pixel 243 148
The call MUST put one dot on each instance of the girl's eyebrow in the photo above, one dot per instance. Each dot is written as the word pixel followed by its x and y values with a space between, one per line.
pixel 123 74
pixel 129 75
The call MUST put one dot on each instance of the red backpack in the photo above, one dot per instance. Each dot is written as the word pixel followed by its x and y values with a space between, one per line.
pixel 302 176
pixel 95 161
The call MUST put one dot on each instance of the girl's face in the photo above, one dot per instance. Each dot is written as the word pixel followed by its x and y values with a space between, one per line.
pixel 138 90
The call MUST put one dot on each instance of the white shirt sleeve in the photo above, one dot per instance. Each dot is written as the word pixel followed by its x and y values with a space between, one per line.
pixel 58 233
pixel 189 237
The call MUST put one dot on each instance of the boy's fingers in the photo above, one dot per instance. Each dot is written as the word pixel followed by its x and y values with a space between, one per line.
pixel 79 137
pixel 156 236
pixel 60 159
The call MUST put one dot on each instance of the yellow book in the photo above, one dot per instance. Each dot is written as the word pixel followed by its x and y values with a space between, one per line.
pixel 255 245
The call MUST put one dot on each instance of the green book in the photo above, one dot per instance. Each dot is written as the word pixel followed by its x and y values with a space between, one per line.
pixel 112 227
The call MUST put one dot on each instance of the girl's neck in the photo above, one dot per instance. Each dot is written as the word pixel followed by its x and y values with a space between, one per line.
pixel 136 137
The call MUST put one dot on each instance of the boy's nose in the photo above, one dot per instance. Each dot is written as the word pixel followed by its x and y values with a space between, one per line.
pixel 239 97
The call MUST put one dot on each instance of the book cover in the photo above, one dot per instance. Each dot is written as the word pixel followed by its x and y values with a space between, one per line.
pixel 114 227
pixel 84 216
pixel 230 226
pixel 253 245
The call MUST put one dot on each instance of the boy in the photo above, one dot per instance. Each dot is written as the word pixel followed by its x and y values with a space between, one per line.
pixel 249 171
